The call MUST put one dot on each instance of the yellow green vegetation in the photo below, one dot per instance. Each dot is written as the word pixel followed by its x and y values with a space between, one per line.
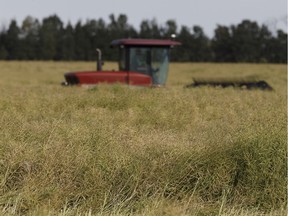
pixel 117 150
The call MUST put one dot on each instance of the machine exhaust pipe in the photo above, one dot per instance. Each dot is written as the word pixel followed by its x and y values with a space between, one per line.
pixel 99 60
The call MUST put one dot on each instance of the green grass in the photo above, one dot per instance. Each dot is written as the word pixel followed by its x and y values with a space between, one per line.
pixel 116 150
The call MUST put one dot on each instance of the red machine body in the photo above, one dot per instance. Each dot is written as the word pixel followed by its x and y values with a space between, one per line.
pixel 142 62
pixel 109 77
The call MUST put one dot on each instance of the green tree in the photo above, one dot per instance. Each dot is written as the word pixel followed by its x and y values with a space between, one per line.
pixel 12 41
pixel 201 50
pixel 150 29
pixel 265 36
pixel 222 45
pixel 66 50
pixel 276 50
pixel 195 46
pixel 99 38
pixel 3 51
pixel 183 53
pixel 246 44
pixel 82 43
pixel 282 47
pixel 50 40
pixel 49 37
pixel 30 38
pixel 170 28
pixel 120 28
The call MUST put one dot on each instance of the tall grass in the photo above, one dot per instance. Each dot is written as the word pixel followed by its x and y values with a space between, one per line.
pixel 116 150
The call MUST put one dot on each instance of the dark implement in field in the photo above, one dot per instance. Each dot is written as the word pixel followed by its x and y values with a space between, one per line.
pixel 237 83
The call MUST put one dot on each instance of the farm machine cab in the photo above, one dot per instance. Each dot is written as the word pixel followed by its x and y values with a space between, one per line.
pixel 142 62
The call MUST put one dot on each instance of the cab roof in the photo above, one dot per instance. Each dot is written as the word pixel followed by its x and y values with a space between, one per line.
pixel 145 42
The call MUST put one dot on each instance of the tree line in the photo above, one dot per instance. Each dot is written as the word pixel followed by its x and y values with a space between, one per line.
pixel 52 40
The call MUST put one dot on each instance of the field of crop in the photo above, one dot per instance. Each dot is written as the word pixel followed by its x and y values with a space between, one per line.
pixel 116 150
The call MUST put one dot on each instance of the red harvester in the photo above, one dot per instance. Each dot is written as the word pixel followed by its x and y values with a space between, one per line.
pixel 142 62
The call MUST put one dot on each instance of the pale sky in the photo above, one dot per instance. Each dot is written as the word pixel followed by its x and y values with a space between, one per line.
pixel 205 13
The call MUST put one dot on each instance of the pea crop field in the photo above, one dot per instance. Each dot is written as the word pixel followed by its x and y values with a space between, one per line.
pixel 119 150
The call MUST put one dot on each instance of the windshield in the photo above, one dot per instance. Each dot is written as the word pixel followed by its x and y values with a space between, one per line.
pixel 150 61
